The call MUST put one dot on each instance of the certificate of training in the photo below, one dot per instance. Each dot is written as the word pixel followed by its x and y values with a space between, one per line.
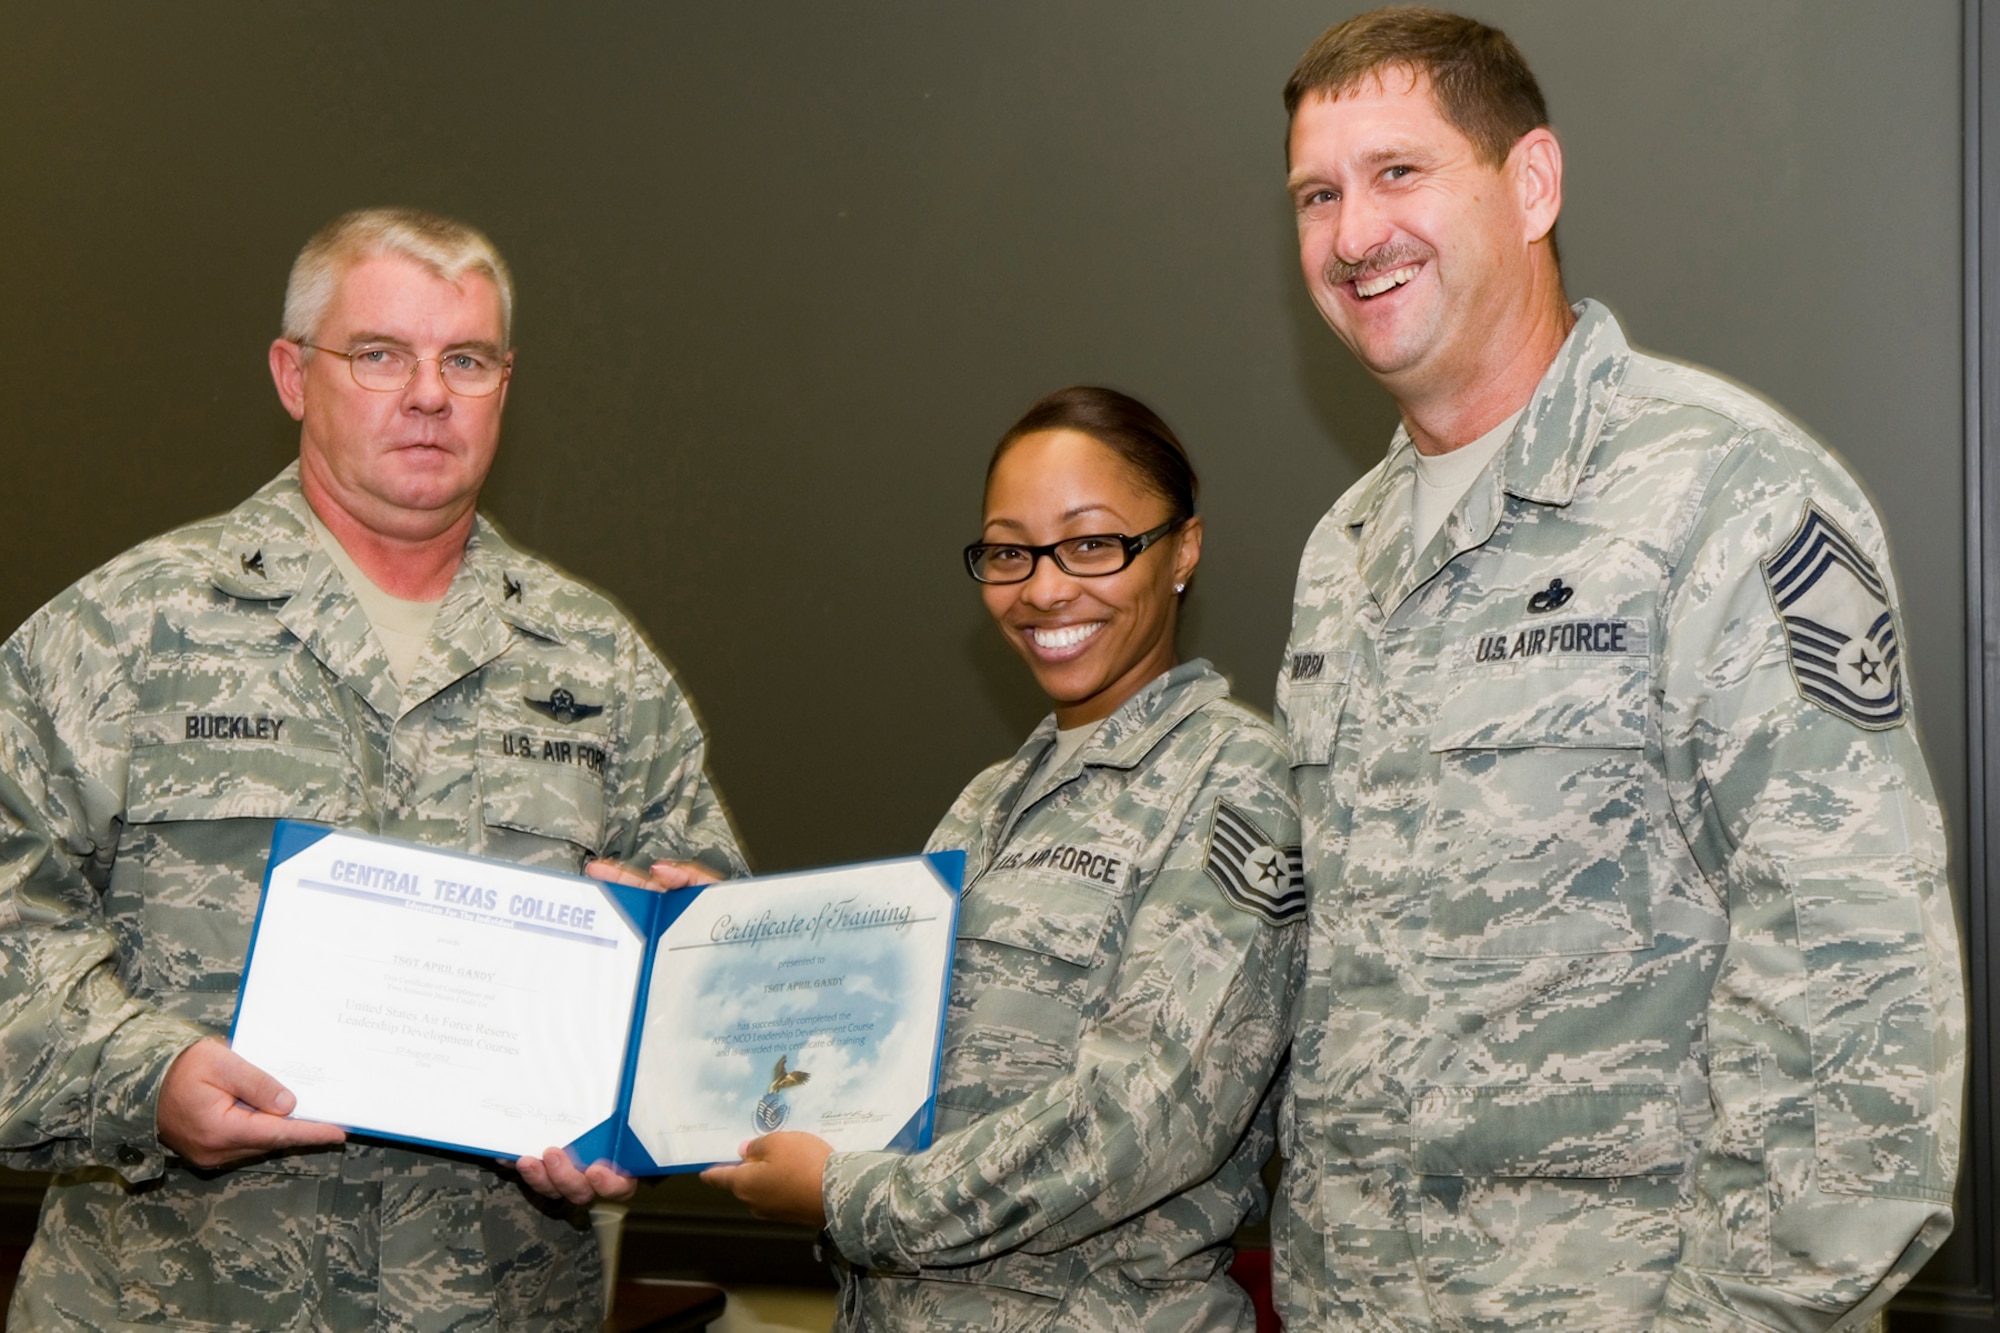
pixel 814 1004
pixel 429 996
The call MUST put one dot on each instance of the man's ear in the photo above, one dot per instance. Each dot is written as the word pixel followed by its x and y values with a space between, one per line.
pixel 1536 167
pixel 288 372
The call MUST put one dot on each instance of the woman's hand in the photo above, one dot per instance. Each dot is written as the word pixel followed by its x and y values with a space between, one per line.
pixel 781 1177
pixel 663 875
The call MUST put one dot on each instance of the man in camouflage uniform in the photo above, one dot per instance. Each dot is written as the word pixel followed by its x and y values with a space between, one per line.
pixel 161 713
pixel 1633 997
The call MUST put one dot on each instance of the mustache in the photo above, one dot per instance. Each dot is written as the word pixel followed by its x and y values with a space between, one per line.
pixel 1375 262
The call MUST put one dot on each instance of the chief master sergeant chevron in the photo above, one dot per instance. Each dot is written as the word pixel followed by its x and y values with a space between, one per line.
pixel 352 644
pixel 1633 997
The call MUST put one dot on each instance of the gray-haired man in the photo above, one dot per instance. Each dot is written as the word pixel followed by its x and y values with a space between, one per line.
pixel 352 645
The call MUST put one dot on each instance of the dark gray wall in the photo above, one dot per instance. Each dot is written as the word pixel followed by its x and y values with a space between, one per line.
pixel 787 269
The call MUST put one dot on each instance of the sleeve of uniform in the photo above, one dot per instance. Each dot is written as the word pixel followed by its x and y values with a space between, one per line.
pixel 1836 1033
pixel 84 1060
pixel 1162 1087
pixel 662 803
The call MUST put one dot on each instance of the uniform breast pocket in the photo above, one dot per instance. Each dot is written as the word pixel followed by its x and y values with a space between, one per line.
pixel 1315 694
pixel 1538 839
pixel 198 815
pixel 176 774
pixel 541 814
pixel 1025 978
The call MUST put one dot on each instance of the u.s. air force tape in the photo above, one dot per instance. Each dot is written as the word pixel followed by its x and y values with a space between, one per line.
pixel 1252 873
pixel 1840 632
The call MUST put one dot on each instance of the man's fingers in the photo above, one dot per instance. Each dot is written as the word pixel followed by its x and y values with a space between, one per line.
pixel 247 1083
pixel 285 1133
pixel 216 1107
pixel 535 1175
pixel 608 1182
pixel 567 1180
pixel 721 1177
pixel 553 1175
pixel 239 1133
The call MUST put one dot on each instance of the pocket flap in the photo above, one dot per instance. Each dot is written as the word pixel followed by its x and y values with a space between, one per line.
pixel 1312 718
pixel 1581 703
pixel 547 800
pixel 1042 913
pixel 1593 1131
pixel 260 779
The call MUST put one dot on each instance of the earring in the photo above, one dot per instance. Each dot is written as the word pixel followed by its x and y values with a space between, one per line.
pixel 1180 587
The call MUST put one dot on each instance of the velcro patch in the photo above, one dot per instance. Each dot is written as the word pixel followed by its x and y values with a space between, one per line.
pixel 1258 877
pixel 1840 631
pixel 1604 636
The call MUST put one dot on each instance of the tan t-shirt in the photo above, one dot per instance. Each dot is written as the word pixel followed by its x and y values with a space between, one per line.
pixel 1442 481
pixel 1068 742
pixel 403 627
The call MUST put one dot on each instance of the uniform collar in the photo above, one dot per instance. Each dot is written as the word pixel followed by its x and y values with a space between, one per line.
pixel 1129 735
pixel 1122 741
pixel 267 552
pixel 1543 462
pixel 1551 448
pixel 267 546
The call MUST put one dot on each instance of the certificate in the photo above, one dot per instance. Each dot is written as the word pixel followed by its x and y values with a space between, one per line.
pixel 415 994
pixel 812 1002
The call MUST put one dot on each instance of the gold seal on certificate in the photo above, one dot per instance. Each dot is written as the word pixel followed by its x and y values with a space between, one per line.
pixel 411 993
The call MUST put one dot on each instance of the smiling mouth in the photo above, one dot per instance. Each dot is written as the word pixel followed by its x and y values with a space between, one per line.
pixel 1061 638
pixel 1382 282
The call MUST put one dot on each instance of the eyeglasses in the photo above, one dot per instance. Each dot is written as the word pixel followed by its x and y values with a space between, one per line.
pixel 390 369
pixel 1089 557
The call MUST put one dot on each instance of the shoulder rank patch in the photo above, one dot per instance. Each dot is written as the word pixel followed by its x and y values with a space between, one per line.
pixel 1253 874
pixel 1840 632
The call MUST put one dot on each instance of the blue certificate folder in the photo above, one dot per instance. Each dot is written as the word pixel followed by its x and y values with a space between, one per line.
pixel 431 997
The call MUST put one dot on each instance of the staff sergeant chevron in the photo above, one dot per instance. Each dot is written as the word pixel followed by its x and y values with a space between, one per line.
pixel 1256 876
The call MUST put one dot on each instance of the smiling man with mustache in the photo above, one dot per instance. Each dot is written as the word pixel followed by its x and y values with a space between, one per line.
pixel 1633 995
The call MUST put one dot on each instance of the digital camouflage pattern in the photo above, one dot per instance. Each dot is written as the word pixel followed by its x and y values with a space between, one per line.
pixel 1113 1026
pixel 154 720
pixel 1633 995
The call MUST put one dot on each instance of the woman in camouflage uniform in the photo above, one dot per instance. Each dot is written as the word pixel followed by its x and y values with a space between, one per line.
pixel 1127 941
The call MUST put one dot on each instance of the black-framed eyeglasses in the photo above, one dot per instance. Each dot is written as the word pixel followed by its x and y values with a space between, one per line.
pixel 1090 557
pixel 466 372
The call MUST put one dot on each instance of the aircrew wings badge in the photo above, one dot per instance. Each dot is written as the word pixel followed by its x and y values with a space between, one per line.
pixel 1840 631
pixel 562 706
pixel 1252 873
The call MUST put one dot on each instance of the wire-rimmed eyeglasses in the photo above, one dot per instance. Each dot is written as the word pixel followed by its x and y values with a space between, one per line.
pixel 466 372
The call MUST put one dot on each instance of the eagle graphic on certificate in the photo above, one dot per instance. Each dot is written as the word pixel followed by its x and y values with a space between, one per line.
pixel 772 1111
